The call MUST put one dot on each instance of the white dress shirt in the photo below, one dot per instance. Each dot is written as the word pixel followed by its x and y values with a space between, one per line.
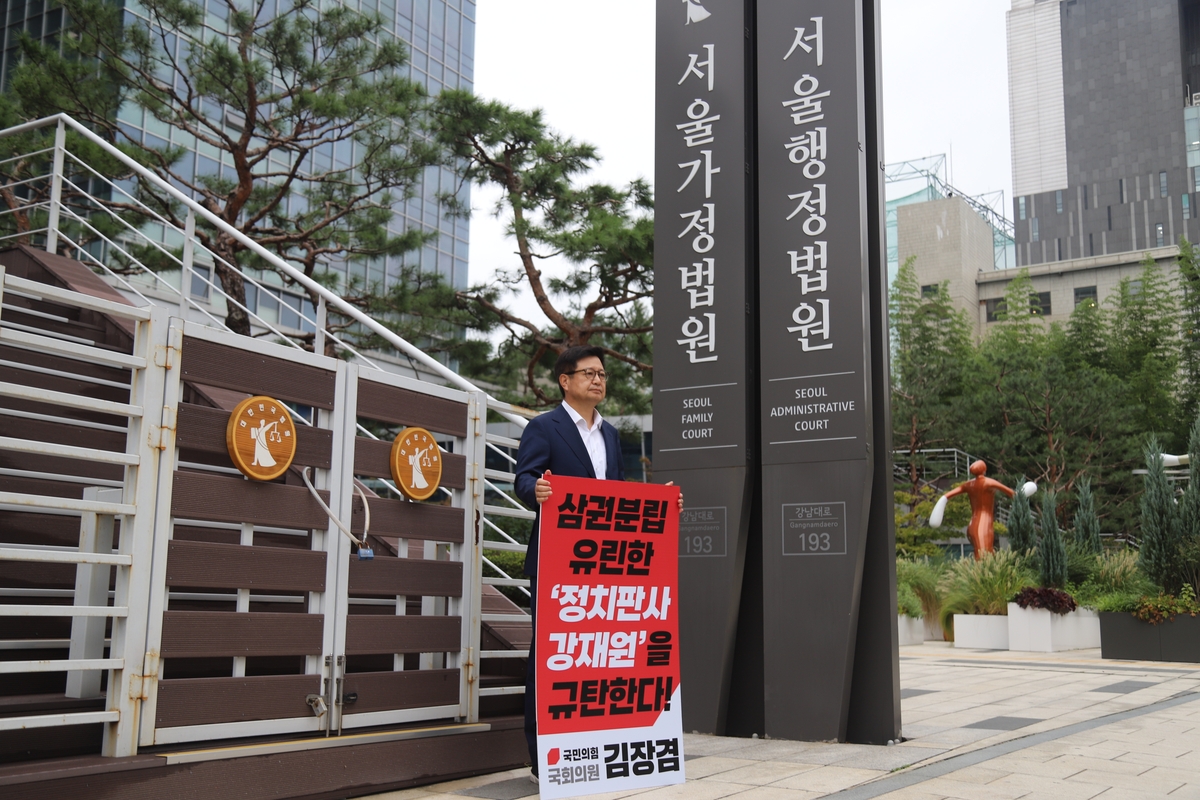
pixel 593 440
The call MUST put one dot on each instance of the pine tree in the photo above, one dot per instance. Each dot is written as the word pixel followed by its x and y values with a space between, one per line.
pixel 1189 278
pixel 1021 536
pixel 1051 547
pixel 1087 334
pixel 1160 523
pixel 1144 345
pixel 1189 505
pixel 932 346
pixel 311 111
pixel 1087 526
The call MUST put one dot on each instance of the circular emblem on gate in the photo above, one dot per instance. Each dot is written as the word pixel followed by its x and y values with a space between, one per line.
pixel 416 463
pixel 261 438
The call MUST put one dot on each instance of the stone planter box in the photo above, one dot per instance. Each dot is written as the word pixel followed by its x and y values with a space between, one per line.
pixel 1125 636
pixel 933 630
pixel 1041 631
pixel 912 630
pixel 981 631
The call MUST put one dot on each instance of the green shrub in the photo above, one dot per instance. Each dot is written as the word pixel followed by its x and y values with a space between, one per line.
pixel 1051 549
pixel 1086 536
pixel 1021 535
pixel 907 603
pixel 1081 564
pixel 914 537
pixel 1116 584
pixel 983 587
pixel 1159 552
pixel 1188 547
pixel 1118 602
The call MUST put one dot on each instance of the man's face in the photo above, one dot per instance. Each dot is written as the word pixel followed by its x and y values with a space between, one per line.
pixel 579 389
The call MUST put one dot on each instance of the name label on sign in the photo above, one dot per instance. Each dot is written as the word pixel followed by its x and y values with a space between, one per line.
pixel 814 529
pixel 703 533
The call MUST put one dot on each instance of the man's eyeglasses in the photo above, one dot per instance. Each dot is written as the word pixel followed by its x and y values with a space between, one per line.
pixel 591 374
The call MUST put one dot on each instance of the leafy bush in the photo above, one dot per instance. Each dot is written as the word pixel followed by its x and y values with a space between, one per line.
pixel 1056 601
pixel 914 537
pixel 907 603
pixel 984 586
pixel 1165 607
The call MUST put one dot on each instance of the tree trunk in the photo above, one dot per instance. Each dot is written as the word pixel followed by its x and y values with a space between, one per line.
pixel 234 286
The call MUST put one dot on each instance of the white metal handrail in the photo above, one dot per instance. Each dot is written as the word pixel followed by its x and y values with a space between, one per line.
pixel 331 298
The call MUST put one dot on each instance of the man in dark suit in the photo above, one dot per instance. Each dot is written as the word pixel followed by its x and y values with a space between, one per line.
pixel 572 440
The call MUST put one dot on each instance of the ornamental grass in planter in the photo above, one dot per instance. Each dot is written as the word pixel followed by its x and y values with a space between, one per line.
pixel 976 595
pixel 922 578
pixel 909 622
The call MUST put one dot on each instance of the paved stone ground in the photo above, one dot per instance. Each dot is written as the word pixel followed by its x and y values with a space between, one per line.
pixel 978 725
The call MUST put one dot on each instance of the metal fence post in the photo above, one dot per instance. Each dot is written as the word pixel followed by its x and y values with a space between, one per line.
pixel 56 176
pixel 319 336
pixel 128 686
pixel 472 555
pixel 189 255
pixel 91 589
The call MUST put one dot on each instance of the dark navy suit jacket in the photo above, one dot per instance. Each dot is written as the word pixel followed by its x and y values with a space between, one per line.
pixel 552 442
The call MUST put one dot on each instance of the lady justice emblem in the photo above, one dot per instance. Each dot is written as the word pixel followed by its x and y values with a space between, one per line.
pixel 416 463
pixel 261 438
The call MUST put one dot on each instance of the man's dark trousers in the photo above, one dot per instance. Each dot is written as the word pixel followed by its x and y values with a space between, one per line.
pixel 552 442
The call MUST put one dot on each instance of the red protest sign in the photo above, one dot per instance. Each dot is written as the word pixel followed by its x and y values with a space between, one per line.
pixel 607 638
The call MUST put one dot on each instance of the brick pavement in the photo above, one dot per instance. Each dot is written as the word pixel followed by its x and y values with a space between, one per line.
pixel 978 725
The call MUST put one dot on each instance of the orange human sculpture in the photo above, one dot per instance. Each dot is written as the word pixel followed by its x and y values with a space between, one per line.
pixel 983 506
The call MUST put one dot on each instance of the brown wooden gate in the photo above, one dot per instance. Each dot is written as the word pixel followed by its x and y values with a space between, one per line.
pixel 263 619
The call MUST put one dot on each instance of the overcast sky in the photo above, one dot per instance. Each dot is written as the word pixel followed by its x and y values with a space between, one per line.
pixel 590 67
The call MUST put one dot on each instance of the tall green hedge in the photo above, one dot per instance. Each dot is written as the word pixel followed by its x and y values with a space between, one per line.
pixel 1051 547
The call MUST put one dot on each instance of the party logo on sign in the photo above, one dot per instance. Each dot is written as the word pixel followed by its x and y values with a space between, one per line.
pixel 261 438
pixel 416 463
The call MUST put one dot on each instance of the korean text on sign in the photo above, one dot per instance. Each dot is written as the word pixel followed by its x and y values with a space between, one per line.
pixel 807 149
pixel 606 641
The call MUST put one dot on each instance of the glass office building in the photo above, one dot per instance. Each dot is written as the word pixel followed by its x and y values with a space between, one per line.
pixel 440 35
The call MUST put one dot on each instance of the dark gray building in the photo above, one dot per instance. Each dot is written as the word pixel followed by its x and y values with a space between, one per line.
pixel 1105 115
